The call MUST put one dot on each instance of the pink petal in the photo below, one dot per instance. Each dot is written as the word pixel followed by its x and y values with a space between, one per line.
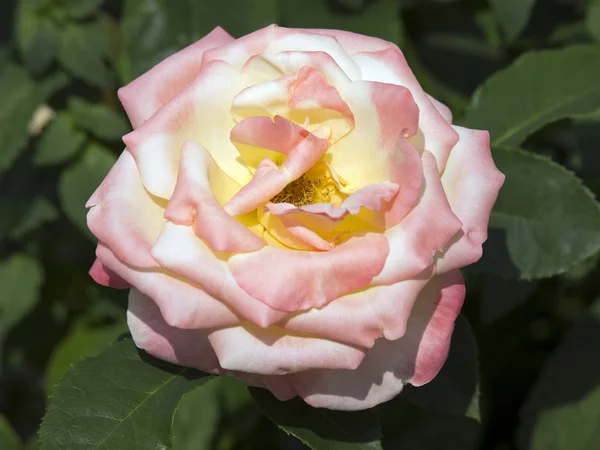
pixel 106 277
pixel 179 250
pixel 188 348
pixel 124 216
pixel 293 281
pixel 471 182
pixel 147 94
pixel 199 113
pixel 377 149
pixel 182 304
pixel 445 112
pixel 193 204
pixel 272 351
pixel 426 230
pixel 362 317
pixel 270 179
pixel 276 40
pixel 277 134
pixel 354 42
pixel 307 223
pixel 390 66
pixel 415 358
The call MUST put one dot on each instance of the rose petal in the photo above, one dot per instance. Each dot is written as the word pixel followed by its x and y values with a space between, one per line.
pixel 188 348
pixel 415 358
pixel 390 66
pixel 106 277
pixel 124 216
pixel 293 281
pixel 362 317
pixel 471 182
pixel 269 179
pixel 377 150
pixel 148 93
pixel 273 351
pixel 179 250
pixel 182 304
pixel 423 232
pixel 193 204
pixel 199 113
pixel 445 112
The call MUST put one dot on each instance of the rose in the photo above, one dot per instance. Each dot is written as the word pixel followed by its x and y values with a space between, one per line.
pixel 293 209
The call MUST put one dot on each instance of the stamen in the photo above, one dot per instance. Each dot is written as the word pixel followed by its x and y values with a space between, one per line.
pixel 306 191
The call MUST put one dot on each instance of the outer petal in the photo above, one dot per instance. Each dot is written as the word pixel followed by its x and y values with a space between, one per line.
pixel 377 149
pixel 471 182
pixel 189 348
pixel 273 351
pixel 274 39
pixel 353 42
pixel 422 233
pixel 200 113
pixel 106 277
pixel 145 95
pixel 178 249
pixel 193 204
pixel 390 66
pixel 416 358
pixel 362 317
pixel 124 216
pixel 182 304
pixel 294 281
pixel 445 112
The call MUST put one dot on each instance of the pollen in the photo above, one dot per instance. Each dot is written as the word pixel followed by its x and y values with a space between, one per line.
pixel 306 191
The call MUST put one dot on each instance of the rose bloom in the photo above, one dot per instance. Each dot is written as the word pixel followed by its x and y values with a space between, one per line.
pixel 292 209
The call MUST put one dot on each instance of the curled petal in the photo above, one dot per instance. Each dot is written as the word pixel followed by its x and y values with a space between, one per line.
pixel 179 250
pixel 124 216
pixel 354 42
pixel 189 348
pixel 148 93
pixel 377 149
pixel 106 277
pixel 362 317
pixel 199 113
pixel 426 230
pixel 471 182
pixel 182 304
pixel 293 281
pixel 193 204
pixel 272 351
pixel 269 179
pixel 415 358
pixel 390 66
pixel 445 112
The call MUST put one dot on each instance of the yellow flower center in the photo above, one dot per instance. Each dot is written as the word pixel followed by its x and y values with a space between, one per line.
pixel 306 191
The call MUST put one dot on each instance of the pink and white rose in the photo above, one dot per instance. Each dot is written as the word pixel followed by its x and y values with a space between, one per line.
pixel 293 209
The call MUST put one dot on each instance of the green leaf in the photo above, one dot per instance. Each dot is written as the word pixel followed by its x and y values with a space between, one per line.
pixel 455 389
pixel 21 278
pixel 36 34
pixel 539 88
pixel 513 15
pixel 406 426
pixel 101 121
pixel 122 399
pixel 59 141
pixel 80 9
pixel 378 19
pixel 151 30
pixel 79 181
pixel 592 19
pixel 84 52
pixel 322 429
pixel 562 411
pixel 84 340
pixel 8 438
pixel 501 296
pixel 551 219
pixel 39 213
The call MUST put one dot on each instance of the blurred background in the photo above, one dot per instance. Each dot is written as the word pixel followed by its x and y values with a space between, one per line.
pixel 61 62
